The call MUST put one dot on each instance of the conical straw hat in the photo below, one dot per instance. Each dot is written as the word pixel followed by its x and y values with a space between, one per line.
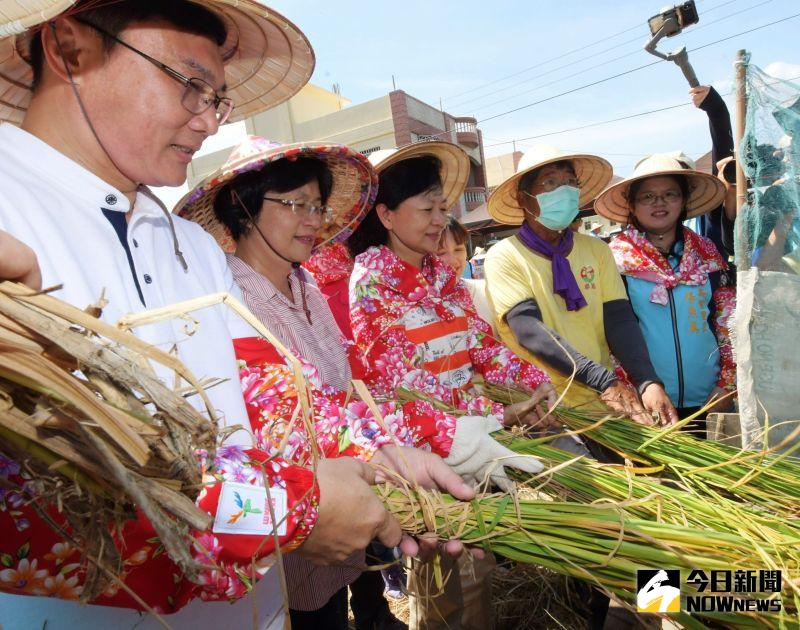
pixel 267 58
pixel 455 164
pixel 593 173
pixel 706 192
pixel 355 184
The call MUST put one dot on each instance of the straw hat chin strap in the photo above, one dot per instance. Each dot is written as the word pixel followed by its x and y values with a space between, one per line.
pixel 295 265
pixel 238 200
pixel 88 120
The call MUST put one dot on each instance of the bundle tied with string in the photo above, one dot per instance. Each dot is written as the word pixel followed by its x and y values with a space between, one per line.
pixel 96 434
pixel 596 543
pixel 667 482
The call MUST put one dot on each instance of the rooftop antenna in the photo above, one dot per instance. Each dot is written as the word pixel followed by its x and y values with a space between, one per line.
pixel 670 22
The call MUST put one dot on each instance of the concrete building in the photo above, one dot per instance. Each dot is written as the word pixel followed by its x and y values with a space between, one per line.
pixel 500 167
pixel 392 120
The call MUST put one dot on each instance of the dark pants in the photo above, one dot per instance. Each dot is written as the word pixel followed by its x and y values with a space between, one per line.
pixel 370 608
pixel 696 427
pixel 332 616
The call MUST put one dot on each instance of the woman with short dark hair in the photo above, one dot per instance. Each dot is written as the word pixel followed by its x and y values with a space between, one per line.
pixel 416 328
pixel 412 319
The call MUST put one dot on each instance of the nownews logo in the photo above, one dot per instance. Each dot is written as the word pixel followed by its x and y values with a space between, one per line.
pixel 659 590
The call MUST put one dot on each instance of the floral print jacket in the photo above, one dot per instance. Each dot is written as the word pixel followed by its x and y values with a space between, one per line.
pixel 418 329
pixel 343 425
pixel 34 560
pixel 654 280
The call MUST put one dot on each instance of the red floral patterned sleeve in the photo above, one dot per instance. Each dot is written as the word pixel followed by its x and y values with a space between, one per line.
pixel 36 560
pixel 342 426
pixel 246 488
pixel 493 359
pixel 389 362
pixel 724 302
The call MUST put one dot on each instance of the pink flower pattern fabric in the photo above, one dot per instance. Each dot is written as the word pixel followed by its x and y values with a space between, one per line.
pixel 343 425
pixel 724 299
pixel 639 258
pixel 330 264
pixel 36 560
pixel 391 301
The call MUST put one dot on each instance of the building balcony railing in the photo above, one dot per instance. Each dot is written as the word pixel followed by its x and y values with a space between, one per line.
pixel 466 124
pixel 466 131
pixel 474 196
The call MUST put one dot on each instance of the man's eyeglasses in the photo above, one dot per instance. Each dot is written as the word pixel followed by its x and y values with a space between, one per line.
pixel 302 210
pixel 198 96
pixel 549 185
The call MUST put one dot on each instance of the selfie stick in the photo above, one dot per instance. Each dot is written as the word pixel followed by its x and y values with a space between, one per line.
pixel 680 56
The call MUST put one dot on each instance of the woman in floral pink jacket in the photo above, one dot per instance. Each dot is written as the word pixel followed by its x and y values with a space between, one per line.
pixel 677 281
pixel 413 321
pixel 269 206
pixel 415 327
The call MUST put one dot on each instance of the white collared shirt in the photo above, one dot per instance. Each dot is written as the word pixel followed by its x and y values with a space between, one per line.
pixel 55 206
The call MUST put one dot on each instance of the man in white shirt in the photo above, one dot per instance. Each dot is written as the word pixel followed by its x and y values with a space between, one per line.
pixel 112 111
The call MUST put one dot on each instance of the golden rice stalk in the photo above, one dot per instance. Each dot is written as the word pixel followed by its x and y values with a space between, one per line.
pixel 595 543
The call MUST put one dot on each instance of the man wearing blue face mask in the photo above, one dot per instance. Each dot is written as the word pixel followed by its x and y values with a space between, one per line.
pixel 558 298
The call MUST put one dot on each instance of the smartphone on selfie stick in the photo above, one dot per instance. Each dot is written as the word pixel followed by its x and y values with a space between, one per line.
pixel 671 22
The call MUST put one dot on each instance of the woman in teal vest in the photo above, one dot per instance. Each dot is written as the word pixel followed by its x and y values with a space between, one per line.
pixel 676 280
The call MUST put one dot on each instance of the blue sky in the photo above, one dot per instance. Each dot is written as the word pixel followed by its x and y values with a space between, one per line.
pixel 452 50
pixel 451 47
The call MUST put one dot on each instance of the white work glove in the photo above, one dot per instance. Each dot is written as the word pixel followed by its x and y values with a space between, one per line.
pixel 475 455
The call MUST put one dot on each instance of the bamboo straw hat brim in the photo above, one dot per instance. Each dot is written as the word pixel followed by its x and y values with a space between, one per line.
pixel 593 173
pixel 355 185
pixel 455 164
pixel 706 192
pixel 267 58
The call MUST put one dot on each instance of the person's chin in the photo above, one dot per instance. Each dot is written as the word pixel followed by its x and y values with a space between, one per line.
pixel 666 225
pixel 301 253
pixel 172 176
pixel 430 244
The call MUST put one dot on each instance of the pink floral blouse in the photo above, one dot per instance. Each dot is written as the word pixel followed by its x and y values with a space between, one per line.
pixel 418 329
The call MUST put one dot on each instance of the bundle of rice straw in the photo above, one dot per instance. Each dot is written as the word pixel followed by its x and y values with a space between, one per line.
pixel 645 496
pixel 763 478
pixel 653 500
pixel 96 432
pixel 596 543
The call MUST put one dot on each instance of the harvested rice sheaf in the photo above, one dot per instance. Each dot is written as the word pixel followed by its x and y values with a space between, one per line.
pixel 96 433
pixel 598 544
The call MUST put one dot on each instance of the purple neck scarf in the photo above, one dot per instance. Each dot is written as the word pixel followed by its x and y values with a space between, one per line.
pixel 564 283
